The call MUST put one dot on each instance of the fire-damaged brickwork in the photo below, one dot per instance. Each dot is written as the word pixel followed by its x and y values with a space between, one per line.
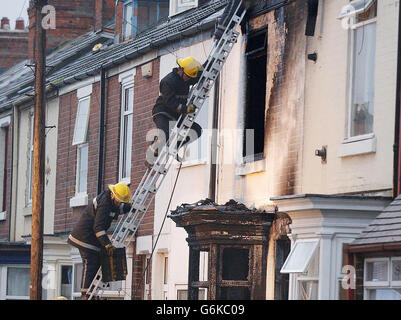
pixel 286 46
pixel 6 184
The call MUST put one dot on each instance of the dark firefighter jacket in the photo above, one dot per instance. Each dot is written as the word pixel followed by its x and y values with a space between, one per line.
pixel 91 229
pixel 172 101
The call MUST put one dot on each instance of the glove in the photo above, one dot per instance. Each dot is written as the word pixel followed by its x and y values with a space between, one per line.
pixel 191 108
pixel 110 249
pixel 125 208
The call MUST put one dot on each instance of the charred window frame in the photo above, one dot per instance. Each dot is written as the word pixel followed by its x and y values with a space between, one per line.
pixel 255 106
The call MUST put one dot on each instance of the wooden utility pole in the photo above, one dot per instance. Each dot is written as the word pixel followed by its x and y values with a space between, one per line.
pixel 38 154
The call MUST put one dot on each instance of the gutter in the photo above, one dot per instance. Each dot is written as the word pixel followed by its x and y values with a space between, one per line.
pixel 149 47
pixel 214 147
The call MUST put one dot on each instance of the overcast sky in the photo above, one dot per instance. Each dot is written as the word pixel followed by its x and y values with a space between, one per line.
pixel 12 9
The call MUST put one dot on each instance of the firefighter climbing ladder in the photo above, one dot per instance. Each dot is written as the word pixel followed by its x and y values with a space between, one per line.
pixel 154 177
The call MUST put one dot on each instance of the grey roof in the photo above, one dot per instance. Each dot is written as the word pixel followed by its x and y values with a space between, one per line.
pixel 88 64
pixel 386 228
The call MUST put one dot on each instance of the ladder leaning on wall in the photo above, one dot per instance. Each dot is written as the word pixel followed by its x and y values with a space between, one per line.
pixel 154 177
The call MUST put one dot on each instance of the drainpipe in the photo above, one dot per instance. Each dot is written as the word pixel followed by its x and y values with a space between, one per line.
pixel 213 153
pixel 101 130
pixel 397 156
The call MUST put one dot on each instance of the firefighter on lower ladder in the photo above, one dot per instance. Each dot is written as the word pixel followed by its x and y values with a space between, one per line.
pixel 90 233
pixel 172 103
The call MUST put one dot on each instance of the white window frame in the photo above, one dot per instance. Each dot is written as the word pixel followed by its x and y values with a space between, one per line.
pixel 178 6
pixel 30 160
pixel 59 278
pixel 127 84
pixel 81 197
pixel 200 148
pixel 377 283
pixel 79 193
pixel 308 261
pixel 83 140
pixel 126 21
pixel 355 26
pixel 394 283
pixel 3 282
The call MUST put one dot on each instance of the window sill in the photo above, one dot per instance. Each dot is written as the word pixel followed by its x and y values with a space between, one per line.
pixel 357 145
pixel 79 200
pixel 3 216
pixel 251 167
pixel 193 163
pixel 127 181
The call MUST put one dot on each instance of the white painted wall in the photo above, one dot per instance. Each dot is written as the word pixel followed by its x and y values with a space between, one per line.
pixel 193 185
pixel 326 105
pixel 23 210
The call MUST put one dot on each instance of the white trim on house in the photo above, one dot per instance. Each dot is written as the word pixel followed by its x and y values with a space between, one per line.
pixel 5 121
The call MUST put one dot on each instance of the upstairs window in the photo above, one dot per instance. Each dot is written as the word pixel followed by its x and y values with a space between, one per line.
pixel 255 106
pixel 127 20
pixel 81 141
pixel 149 13
pixel 363 53
pixel 177 6
pixel 127 109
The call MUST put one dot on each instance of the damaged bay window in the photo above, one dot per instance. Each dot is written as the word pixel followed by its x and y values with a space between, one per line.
pixel 363 40
pixel 81 141
pixel 303 264
pixel 255 106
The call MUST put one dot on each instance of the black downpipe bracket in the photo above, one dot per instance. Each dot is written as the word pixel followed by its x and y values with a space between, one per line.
pixel 396 146
pixel 101 130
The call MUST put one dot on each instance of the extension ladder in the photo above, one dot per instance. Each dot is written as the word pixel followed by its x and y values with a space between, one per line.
pixel 154 177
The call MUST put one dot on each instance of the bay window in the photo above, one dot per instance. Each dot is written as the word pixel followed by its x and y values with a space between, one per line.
pixel 382 278
pixel 303 264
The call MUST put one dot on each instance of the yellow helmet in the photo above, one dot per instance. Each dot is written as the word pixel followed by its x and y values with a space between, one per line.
pixel 60 298
pixel 190 65
pixel 121 192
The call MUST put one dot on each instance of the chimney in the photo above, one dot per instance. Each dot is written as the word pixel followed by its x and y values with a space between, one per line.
pixel 73 19
pixel 105 12
pixel 5 23
pixel 20 24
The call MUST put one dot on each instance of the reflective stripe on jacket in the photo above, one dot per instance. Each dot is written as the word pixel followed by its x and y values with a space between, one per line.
pixel 91 230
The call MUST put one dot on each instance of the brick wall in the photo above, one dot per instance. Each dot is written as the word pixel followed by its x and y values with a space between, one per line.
pixel 105 10
pixel 4 225
pixel 119 20
pixel 66 162
pixel 13 48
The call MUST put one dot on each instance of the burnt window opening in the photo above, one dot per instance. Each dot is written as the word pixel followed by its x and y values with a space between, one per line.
pixel 281 280
pixel 235 264
pixel 255 106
